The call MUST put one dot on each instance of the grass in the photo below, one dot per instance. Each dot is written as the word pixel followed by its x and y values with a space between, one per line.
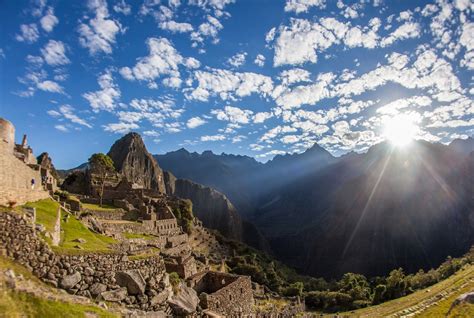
pixel 18 304
pixel 268 304
pixel 70 231
pixel 152 252
pixel 464 276
pixel 96 207
pixel 138 236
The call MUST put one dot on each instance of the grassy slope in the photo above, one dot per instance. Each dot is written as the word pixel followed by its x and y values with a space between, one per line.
pixel 464 278
pixel 71 230
pixel 21 304
pixel 96 207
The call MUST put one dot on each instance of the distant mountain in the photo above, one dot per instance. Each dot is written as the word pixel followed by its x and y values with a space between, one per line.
pixel 462 146
pixel 233 175
pixel 366 213
pixel 244 180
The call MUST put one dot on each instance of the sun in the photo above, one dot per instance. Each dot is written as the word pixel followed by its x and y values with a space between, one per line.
pixel 400 130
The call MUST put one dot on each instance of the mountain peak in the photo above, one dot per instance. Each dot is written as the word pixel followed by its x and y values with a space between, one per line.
pixel 132 159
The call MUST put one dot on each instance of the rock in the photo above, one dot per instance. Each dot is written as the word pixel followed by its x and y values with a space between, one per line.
pixel 103 305
pixel 464 298
pixel 40 228
pixel 80 240
pixel 97 289
pixel 78 247
pixel 132 280
pixel 69 281
pixel 185 302
pixel 88 271
pixel 10 273
pixel 114 295
pixel 160 298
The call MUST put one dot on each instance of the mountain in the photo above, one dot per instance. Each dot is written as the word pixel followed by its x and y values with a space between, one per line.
pixel 462 146
pixel 244 180
pixel 366 213
pixel 229 174
pixel 132 160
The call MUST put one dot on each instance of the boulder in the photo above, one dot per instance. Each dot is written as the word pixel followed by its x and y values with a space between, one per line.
pixel 467 298
pixel 97 289
pixel 185 302
pixel 132 280
pixel 116 295
pixel 69 281
pixel 160 298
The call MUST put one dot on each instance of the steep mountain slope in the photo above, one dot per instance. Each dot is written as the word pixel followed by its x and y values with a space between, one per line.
pixel 366 213
pixel 233 175
pixel 132 159
pixel 396 208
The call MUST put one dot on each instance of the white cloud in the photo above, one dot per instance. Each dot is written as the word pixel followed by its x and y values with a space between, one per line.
pixel 176 27
pixel 294 76
pixel 237 60
pixel 260 117
pixel 217 137
pixel 290 139
pixel 303 40
pixel 299 6
pixel 120 128
pixel 233 114
pixel 49 21
pixel 50 86
pixel 195 122
pixel 163 59
pixel 99 35
pixel 67 112
pixel 54 53
pixel 260 60
pixel 61 128
pixel 105 98
pixel 123 7
pixel 228 85
pixel 405 31
pixel 29 33
pixel 467 40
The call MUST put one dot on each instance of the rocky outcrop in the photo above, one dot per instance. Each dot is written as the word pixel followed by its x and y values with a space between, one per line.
pixel 133 161
pixel 211 207
pixel 132 280
pixel 185 302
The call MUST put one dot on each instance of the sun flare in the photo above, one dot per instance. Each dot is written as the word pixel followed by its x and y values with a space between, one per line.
pixel 400 130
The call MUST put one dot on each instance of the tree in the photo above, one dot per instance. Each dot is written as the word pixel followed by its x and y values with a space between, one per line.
pixel 103 167
pixel 355 285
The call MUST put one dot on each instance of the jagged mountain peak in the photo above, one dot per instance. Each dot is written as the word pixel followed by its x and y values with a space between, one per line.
pixel 132 159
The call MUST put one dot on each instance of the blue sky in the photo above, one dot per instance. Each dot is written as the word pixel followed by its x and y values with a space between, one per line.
pixel 250 77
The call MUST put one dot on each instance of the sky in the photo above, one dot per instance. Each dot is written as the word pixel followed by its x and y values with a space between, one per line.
pixel 250 77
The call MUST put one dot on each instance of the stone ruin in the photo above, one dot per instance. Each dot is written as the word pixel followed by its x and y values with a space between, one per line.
pixel 22 177
pixel 224 294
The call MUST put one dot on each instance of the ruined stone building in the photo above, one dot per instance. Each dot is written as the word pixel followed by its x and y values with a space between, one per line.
pixel 22 179
pixel 224 294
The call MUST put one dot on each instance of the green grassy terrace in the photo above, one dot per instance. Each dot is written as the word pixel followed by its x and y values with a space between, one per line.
pixel 96 207
pixel 71 230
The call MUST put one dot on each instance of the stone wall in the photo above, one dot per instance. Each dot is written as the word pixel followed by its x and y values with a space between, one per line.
pixel 113 277
pixel 225 294
pixel 15 179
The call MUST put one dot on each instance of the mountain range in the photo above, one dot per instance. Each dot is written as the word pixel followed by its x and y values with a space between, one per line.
pixel 367 213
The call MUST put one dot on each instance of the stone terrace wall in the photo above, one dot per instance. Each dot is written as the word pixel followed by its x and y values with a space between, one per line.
pixel 88 275
pixel 15 180
pixel 233 299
